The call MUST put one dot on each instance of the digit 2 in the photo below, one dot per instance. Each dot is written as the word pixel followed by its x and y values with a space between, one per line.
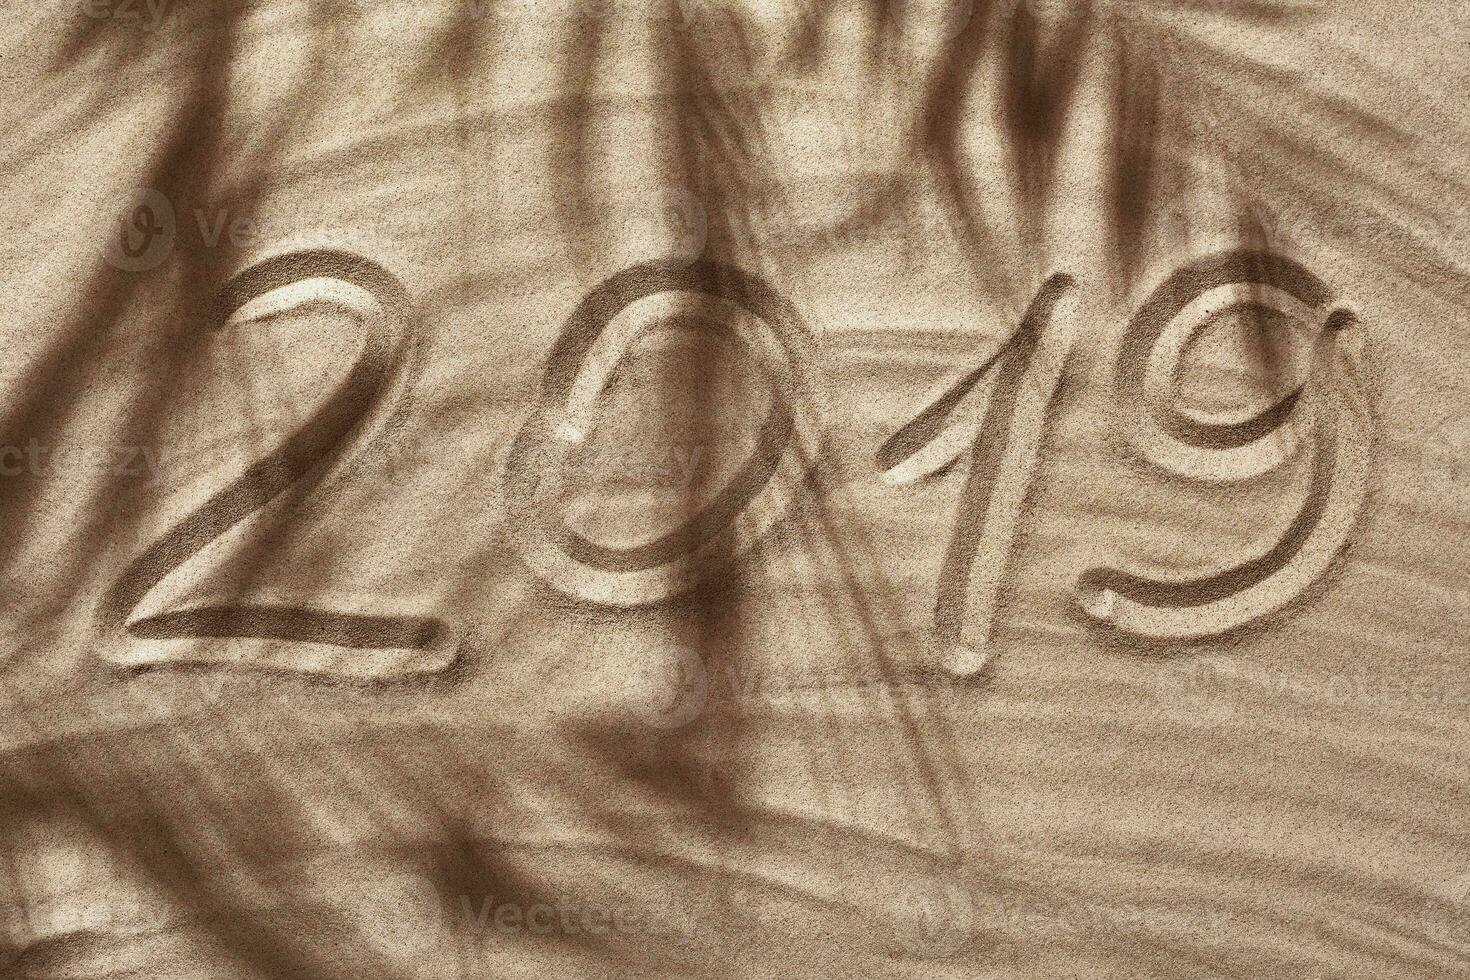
pixel 356 412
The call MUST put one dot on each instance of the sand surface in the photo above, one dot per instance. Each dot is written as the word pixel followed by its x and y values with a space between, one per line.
pixel 624 490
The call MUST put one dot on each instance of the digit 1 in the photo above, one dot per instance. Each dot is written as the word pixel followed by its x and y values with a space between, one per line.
pixel 1022 380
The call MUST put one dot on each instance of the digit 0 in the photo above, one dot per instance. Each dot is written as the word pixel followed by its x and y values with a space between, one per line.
pixel 718 300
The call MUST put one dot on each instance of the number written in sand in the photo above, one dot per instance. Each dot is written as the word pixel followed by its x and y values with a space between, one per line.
pixel 725 304
pixel 162 629
pixel 1322 417
pixel 1010 395
pixel 997 414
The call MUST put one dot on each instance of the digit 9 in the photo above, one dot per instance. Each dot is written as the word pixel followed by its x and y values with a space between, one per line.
pixel 1323 419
